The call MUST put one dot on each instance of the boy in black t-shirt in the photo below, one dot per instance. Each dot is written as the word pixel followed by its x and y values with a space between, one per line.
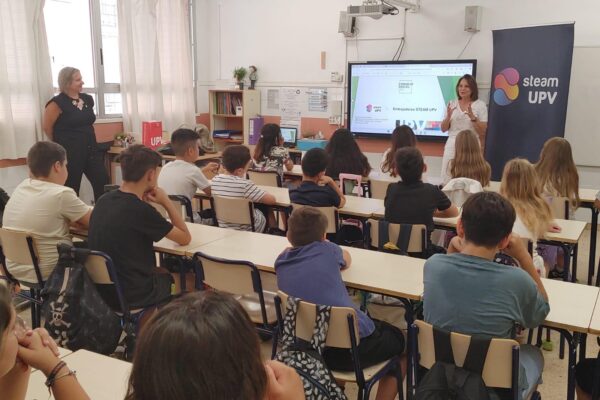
pixel 125 225
pixel 317 189
pixel 411 201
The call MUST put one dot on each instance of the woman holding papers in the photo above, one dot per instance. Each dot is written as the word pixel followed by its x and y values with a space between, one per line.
pixel 467 112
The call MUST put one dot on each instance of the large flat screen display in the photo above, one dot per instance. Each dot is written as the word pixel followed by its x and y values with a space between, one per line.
pixel 383 95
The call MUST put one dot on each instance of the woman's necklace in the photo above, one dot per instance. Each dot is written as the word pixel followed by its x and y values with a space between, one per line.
pixel 79 103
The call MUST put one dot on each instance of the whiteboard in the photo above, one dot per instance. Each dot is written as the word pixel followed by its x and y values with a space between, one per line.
pixel 583 111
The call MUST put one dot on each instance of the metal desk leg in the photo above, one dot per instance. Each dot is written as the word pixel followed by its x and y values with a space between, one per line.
pixel 575 249
pixel 572 340
pixel 593 236
pixel 409 317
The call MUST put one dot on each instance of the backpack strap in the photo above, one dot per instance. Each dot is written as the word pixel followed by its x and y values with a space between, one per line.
pixel 442 346
pixel 321 328
pixel 384 234
pixel 404 238
pixel 476 354
pixel 289 322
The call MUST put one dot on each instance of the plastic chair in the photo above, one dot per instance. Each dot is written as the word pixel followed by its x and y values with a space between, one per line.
pixel 20 247
pixel 342 333
pixel 333 220
pixel 241 279
pixel 181 203
pixel 408 238
pixel 265 178
pixel 501 368
pixel 379 188
pixel 233 210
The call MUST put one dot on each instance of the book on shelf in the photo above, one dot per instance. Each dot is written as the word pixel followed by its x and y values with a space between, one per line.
pixel 227 134
pixel 225 103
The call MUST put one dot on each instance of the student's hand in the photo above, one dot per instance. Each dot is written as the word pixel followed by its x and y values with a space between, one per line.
pixel 470 113
pixel 283 382
pixel 47 340
pixel 516 249
pixel 554 227
pixel 449 111
pixel 211 168
pixel 456 245
pixel 326 180
pixel 34 353
pixel 157 195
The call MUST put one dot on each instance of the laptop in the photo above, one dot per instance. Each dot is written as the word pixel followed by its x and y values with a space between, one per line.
pixel 290 136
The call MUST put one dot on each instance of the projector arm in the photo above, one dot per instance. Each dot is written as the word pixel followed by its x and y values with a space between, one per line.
pixel 409 5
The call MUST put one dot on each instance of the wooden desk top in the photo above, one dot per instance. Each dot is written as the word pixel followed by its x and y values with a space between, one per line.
pixel 571 305
pixel 361 206
pixel 376 272
pixel 282 195
pixel 571 231
pixel 102 377
pixel 595 324
pixel 201 234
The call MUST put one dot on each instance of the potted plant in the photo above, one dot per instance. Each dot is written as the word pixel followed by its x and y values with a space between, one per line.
pixel 239 74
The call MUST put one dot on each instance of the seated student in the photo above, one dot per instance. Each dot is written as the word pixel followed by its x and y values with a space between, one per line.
pixel 182 177
pixel 468 160
pixel 317 189
pixel 584 377
pixel 42 205
pixel 210 334
pixel 310 270
pixel 233 183
pixel 402 136
pixel 21 350
pixel 269 153
pixel 125 225
pixel 411 201
pixel 345 156
pixel 491 297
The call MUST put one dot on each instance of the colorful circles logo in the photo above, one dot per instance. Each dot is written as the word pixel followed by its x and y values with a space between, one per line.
pixel 506 86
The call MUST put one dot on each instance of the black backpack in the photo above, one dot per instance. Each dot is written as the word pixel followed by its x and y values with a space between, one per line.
pixel 307 358
pixel 446 381
pixel 75 314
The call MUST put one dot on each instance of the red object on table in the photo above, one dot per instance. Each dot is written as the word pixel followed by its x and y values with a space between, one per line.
pixel 152 134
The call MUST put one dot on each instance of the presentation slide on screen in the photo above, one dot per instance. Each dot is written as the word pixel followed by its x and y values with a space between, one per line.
pixel 384 96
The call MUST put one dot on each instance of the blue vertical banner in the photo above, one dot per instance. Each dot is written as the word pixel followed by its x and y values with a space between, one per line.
pixel 529 93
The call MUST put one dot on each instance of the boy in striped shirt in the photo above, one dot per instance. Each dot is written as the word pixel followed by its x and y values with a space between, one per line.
pixel 233 183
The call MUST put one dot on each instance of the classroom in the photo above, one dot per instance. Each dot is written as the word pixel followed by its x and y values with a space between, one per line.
pixel 372 199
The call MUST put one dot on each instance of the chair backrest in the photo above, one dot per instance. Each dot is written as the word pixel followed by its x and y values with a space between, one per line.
pixel 338 334
pixel 101 270
pixel 559 207
pixel 498 367
pixel 379 188
pixel 20 247
pixel 459 190
pixel 233 210
pixel 331 213
pixel 235 277
pixel 351 184
pixel 181 203
pixel 418 236
pixel 264 178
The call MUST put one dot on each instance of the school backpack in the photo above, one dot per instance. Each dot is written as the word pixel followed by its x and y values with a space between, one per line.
pixel 75 314
pixel 445 380
pixel 3 200
pixel 307 358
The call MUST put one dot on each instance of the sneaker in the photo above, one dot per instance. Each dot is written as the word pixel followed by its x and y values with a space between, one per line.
pixel 556 274
pixel 547 345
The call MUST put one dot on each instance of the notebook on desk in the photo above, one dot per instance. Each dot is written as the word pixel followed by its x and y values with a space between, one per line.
pixel 290 136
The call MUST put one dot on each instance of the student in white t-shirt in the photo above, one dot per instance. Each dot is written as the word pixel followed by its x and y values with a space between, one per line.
pixel 182 176
pixel 42 205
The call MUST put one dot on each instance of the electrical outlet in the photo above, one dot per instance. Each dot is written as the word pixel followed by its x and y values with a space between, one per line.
pixel 335 120
pixel 337 77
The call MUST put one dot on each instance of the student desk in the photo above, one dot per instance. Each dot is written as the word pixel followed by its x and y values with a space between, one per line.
pixel 571 311
pixel 587 198
pixel 102 377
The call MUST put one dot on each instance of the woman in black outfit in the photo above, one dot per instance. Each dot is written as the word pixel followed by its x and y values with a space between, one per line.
pixel 68 120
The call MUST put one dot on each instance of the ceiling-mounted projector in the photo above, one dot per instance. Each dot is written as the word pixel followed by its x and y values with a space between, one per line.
pixel 374 11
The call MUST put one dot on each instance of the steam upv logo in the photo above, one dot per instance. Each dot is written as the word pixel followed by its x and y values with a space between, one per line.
pixel 506 86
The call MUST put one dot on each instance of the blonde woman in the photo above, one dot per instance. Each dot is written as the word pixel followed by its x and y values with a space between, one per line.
pixel 521 187
pixel 468 160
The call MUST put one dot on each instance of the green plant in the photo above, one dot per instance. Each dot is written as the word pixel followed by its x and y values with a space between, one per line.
pixel 121 136
pixel 240 73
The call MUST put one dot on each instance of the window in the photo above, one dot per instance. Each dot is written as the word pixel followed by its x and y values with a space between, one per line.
pixel 84 34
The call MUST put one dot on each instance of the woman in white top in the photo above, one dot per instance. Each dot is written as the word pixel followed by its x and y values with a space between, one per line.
pixel 465 113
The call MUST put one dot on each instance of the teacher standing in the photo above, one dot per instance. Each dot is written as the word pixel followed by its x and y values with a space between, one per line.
pixel 467 112
pixel 69 121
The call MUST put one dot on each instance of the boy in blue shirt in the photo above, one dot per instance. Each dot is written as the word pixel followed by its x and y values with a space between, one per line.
pixel 491 297
pixel 310 270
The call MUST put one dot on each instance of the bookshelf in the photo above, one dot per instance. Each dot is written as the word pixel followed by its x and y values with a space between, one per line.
pixel 223 116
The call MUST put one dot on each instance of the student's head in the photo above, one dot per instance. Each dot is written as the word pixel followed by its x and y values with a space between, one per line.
pixel 270 136
pixel 48 160
pixel 402 136
pixel 520 186
pixel 185 143
pixel 468 160
pixel 314 162
pixel 345 155
pixel 557 171
pixel 202 345
pixel 8 340
pixel 306 225
pixel 236 159
pixel 140 164
pixel 487 220
pixel 467 88
pixel 409 164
